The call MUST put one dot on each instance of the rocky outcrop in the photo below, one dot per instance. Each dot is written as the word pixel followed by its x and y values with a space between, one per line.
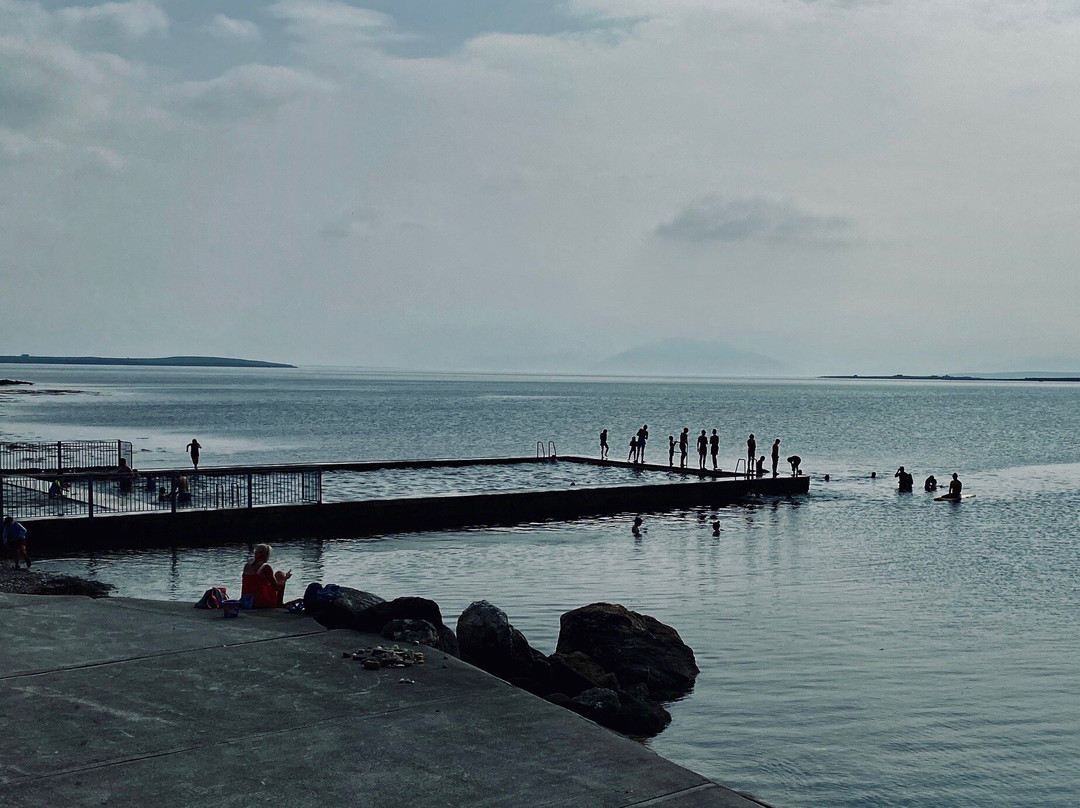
pixel 636 648
pixel 344 607
pixel 576 677
pixel 488 641
pixel 32 582
pixel 338 607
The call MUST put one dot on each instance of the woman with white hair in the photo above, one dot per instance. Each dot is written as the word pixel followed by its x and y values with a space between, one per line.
pixel 266 587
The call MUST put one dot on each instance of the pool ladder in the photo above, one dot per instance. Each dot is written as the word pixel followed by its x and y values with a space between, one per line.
pixel 546 451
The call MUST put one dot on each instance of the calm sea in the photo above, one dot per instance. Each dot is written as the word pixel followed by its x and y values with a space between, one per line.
pixel 858 647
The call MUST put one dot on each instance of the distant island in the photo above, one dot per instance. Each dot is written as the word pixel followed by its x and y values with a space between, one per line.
pixel 948 378
pixel 164 361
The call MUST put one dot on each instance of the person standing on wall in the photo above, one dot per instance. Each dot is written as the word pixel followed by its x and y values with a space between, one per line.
pixel 714 448
pixel 194 448
pixel 603 445
pixel 751 453
pixel 775 455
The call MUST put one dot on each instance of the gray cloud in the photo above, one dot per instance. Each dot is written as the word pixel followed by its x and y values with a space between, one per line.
pixel 246 91
pixel 227 28
pixel 134 20
pixel 755 218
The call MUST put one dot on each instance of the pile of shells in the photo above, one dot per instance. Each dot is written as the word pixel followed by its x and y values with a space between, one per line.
pixel 392 657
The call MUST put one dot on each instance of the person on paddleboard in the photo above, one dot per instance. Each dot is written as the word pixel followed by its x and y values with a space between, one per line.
pixel 955 487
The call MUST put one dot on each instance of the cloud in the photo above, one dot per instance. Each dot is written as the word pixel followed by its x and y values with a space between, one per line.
pixel 247 91
pixel 754 219
pixel 49 83
pixel 325 13
pixel 231 28
pixel 134 20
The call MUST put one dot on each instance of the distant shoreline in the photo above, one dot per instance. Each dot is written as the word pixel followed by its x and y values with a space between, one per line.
pixel 165 361
pixel 948 378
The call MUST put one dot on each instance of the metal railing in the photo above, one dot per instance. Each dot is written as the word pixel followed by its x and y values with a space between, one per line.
pixel 77 455
pixel 99 494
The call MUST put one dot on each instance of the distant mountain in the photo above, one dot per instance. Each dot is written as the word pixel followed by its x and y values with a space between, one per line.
pixel 165 361
pixel 688 357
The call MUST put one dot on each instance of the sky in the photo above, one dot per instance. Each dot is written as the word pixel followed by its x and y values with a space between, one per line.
pixel 863 187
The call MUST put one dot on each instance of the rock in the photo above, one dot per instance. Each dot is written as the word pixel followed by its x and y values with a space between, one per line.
pixel 636 648
pixel 378 615
pixel 373 618
pixel 418 631
pixel 576 672
pixel 342 610
pixel 488 641
pixel 600 704
pixel 622 712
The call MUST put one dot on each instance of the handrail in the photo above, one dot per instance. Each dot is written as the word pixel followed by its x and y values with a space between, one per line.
pixel 742 462
pixel 541 450
pixel 551 449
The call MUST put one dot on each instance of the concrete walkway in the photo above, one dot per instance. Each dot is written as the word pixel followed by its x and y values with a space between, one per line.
pixel 143 703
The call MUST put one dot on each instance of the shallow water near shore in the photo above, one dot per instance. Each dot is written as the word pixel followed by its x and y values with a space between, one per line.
pixel 858 647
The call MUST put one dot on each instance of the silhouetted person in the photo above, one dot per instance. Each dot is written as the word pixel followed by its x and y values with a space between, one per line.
pixel 761 466
pixel 636 529
pixel 716 528
pixel 702 448
pixel 751 453
pixel 955 487
pixel 714 447
pixel 906 481
pixel 194 448
pixel 603 445
pixel 632 457
pixel 14 538
pixel 671 450
pixel 642 439
pixel 775 455
pixel 795 462
pixel 930 484
pixel 684 446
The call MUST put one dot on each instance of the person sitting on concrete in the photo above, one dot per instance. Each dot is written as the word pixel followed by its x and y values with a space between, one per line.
pixel 761 466
pixel 125 476
pixel 930 484
pixel 183 491
pixel 14 538
pixel 266 587
pixel 55 490
pixel 796 463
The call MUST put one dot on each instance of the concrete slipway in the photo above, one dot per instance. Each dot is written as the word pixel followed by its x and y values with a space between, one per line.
pixel 142 703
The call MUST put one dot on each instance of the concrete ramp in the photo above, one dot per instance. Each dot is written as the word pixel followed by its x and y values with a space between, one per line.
pixel 143 703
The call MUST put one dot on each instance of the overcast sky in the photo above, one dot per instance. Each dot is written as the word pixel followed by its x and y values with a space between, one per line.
pixel 850 186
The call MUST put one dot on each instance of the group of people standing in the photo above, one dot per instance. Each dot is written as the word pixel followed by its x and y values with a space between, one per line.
pixel 706 445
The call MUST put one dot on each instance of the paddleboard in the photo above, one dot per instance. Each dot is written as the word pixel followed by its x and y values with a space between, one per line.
pixel 947 498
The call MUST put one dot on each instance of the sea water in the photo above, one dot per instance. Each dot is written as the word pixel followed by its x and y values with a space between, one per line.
pixel 858 647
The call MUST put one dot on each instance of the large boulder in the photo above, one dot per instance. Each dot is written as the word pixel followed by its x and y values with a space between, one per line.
pixel 637 648
pixel 576 672
pixel 624 711
pixel 488 641
pixel 376 617
pixel 342 608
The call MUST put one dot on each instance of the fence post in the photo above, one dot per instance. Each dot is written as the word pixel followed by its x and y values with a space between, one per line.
pixel 1 494
pixel 59 456
pixel 318 484
pixel 172 496
pixel 120 451
pixel 90 495
pixel 249 489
